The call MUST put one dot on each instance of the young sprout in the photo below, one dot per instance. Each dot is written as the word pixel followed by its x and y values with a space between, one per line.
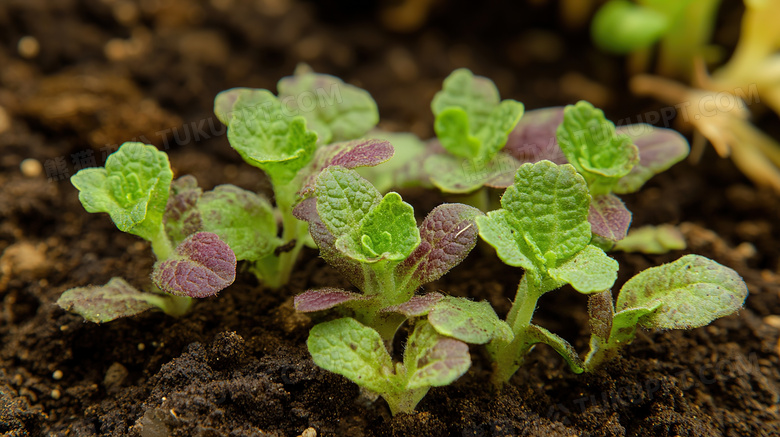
pixel 286 137
pixel 133 189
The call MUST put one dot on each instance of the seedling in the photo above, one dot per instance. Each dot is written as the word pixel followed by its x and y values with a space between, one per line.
pixel 611 160
pixel 285 136
pixel 376 243
pixel 472 125
pixel 543 227
pixel 133 189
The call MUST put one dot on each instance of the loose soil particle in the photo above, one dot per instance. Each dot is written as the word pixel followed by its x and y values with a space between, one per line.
pixel 110 71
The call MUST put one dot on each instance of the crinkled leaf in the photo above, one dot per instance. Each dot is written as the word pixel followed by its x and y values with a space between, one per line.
pixel 343 199
pixel 268 136
pixel 324 298
pixel 132 188
pixel 335 110
pixel 609 218
pixel 389 231
pixel 589 271
pixel 432 360
pixel 687 293
pixel 416 306
pixel 182 217
pixel 652 240
pixel 306 210
pixel 544 218
pixel 470 120
pixel 533 139
pixel 348 348
pixel 242 219
pixel 105 303
pixel 350 154
pixel 451 174
pixel 202 266
pixel 659 149
pixel 468 321
pixel 590 144
pixel 447 235
pixel 223 103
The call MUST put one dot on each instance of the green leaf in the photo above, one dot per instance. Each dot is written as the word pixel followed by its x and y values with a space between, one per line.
pixel 468 321
pixel 99 304
pixel 591 145
pixel 537 334
pixel 470 120
pixel 132 188
pixel 652 240
pixel 590 271
pixel 336 111
pixel 687 293
pixel 544 220
pixel 623 27
pixel 348 348
pixel 451 174
pixel 343 199
pixel 268 136
pixel 389 231
pixel 242 219
pixel 432 360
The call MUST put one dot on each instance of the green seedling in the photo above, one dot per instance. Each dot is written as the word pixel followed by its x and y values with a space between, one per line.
pixel 472 125
pixel 652 240
pixel 133 189
pixel 543 227
pixel 289 137
pixel 375 242
pixel 611 160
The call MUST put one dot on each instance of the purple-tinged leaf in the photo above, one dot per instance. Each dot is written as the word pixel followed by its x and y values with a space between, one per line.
pixel 416 306
pixel 105 303
pixel 366 152
pixel 447 235
pixel 502 171
pixel 433 360
pixel 609 217
pixel 182 217
pixel 306 210
pixel 533 139
pixel 659 149
pixel 202 266
pixel 324 298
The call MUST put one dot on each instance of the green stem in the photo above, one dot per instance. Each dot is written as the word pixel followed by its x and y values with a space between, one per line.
pixel 161 245
pixel 175 306
pixel 405 401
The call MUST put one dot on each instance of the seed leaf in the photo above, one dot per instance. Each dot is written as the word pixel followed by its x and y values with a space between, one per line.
pixel 468 321
pixel 99 304
pixel 132 188
pixel 417 306
pixel 324 298
pixel 202 266
pixel 687 293
pixel 609 218
pixel 659 149
pixel 433 360
pixel 533 139
pixel 355 351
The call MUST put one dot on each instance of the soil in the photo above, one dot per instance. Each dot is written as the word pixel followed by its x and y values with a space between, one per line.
pixel 109 71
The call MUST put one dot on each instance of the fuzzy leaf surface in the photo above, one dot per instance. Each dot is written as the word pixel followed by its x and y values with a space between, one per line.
pixel 242 219
pixel 132 188
pixel 609 218
pixel 432 360
pixel 416 306
pixel 343 200
pixel 544 220
pixel 335 110
pixel 348 348
pixel 389 231
pixel 99 304
pixel 202 266
pixel 406 167
pixel 659 149
pixel 589 271
pixel 468 321
pixel 470 120
pixel 590 144
pixel 687 293
pixel 349 154
pixel 325 298
pixel 447 235
pixel 534 140
pixel 268 137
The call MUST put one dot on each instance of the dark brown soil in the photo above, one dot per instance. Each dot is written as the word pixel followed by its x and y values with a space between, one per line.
pixel 108 71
